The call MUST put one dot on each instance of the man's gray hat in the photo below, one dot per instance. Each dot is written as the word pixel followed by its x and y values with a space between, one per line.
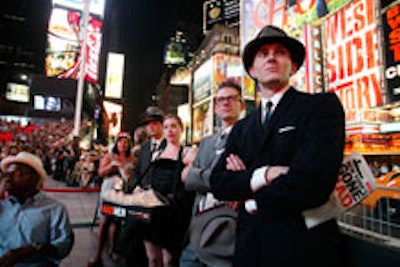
pixel 152 113
pixel 271 34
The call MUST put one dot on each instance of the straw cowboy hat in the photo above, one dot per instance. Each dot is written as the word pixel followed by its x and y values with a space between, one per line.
pixel 271 34
pixel 152 113
pixel 28 159
pixel 212 235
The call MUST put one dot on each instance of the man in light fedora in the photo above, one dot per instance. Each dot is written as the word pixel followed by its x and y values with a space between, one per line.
pixel 35 229
pixel 281 160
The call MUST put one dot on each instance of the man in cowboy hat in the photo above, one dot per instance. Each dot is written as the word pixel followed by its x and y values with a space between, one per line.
pixel 281 160
pixel 35 229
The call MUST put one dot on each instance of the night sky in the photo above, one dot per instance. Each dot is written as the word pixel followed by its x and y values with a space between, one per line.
pixel 143 29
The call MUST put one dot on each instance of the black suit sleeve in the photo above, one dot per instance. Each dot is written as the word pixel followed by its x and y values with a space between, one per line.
pixel 314 166
pixel 232 185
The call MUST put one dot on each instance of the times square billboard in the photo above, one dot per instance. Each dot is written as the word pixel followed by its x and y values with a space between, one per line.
pixel 341 39
pixel 65 41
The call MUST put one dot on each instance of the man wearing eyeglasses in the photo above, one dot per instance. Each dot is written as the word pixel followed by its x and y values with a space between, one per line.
pixel 35 229
pixel 218 216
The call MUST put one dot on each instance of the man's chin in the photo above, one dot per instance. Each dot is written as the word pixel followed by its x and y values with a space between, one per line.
pixel 273 83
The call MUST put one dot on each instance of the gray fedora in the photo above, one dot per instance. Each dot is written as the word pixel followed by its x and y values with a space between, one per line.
pixel 271 34
pixel 212 236
pixel 152 113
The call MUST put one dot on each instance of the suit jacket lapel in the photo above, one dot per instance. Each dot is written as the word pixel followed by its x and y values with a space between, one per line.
pixel 210 148
pixel 279 111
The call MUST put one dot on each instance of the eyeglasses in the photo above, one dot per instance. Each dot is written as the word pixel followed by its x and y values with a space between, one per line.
pixel 230 99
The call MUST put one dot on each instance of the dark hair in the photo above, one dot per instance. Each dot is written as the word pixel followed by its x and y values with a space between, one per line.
pixel 232 84
pixel 177 118
pixel 115 148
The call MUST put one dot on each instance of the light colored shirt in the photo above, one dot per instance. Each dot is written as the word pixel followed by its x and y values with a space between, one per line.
pixel 40 220
pixel 257 180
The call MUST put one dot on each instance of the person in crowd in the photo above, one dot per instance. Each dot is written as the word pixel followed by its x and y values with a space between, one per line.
pixel 207 209
pixel 132 240
pixel 87 169
pixel 164 236
pixel 282 160
pixel 140 136
pixel 115 167
pixel 35 229
pixel 153 119
pixel 13 149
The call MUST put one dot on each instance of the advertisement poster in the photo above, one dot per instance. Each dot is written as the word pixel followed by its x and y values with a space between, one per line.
pixel 64 44
pixel 292 17
pixel 391 46
pixel 314 59
pixel 226 67
pixel 351 55
pixel 17 92
pixel 202 121
pixel 113 118
pixel 202 81
pixel 220 11
pixel 115 75
pixel 355 183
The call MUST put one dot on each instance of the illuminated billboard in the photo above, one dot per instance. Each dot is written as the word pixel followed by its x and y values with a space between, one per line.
pixel 220 11
pixel 17 92
pixel 227 67
pixel 96 6
pixel 113 120
pixel 175 53
pixel 293 17
pixel 115 75
pixel 351 55
pixel 391 48
pixel 64 40
pixel 202 81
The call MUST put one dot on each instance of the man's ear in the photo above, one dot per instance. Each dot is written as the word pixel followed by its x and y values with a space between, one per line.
pixel 242 105
pixel 294 68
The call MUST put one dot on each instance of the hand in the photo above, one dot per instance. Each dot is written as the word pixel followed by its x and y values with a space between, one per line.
pixel 235 163
pixel 185 172
pixel 2 187
pixel 190 155
pixel 274 172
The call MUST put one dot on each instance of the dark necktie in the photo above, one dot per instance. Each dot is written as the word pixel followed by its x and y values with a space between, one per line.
pixel 221 141
pixel 268 113
pixel 154 147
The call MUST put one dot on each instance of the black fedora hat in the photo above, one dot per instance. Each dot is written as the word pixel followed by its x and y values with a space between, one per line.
pixel 271 34
pixel 152 113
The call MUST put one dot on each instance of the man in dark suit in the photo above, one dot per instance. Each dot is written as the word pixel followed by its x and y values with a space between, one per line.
pixel 153 119
pixel 281 160
pixel 132 236
pixel 212 217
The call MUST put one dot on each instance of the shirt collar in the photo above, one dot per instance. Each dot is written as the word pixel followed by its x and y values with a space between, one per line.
pixel 274 99
pixel 226 130
pixel 38 196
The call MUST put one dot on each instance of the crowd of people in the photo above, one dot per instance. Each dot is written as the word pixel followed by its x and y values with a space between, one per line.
pixel 235 200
